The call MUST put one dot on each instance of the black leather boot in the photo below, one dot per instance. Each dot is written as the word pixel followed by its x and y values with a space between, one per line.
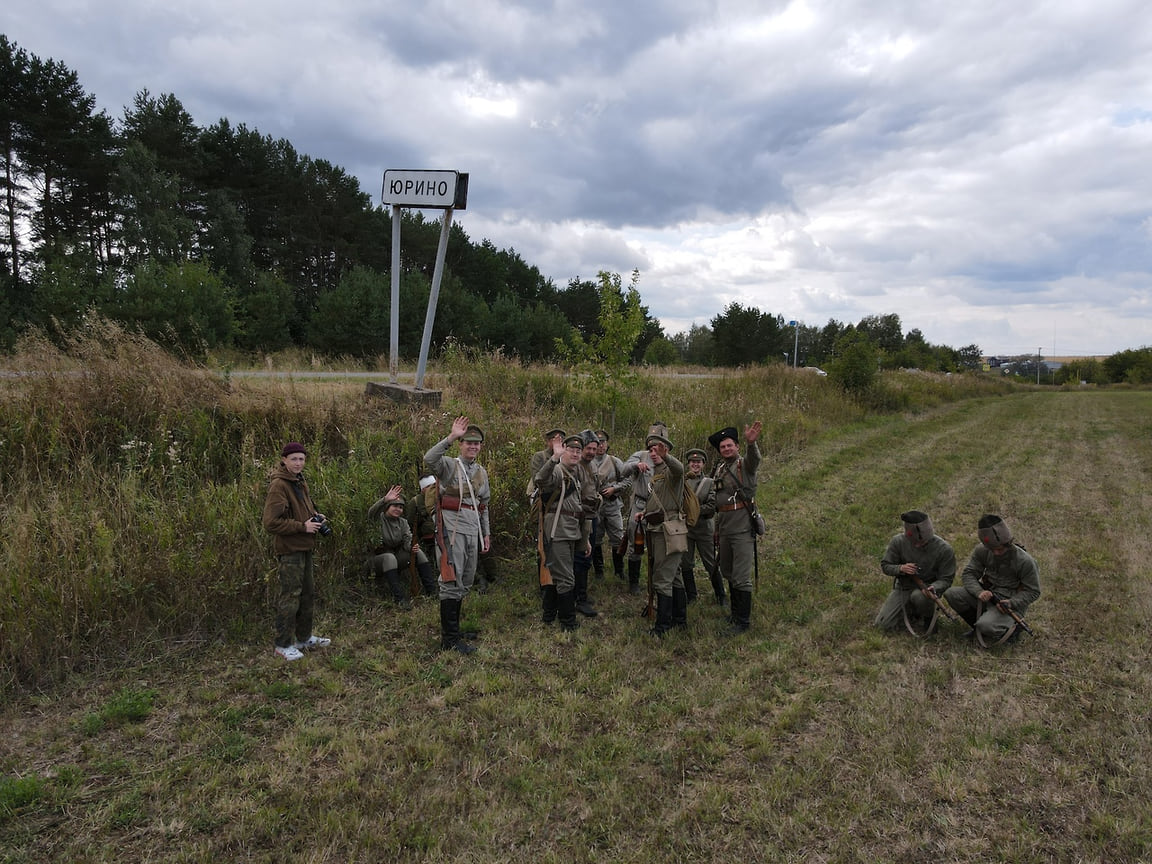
pixel 547 603
pixel 450 628
pixel 398 589
pixel 717 585
pixel 689 583
pixel 618 564
pixel 663 616
pixel 633 576
pixel 428 579
pixel 741 618
pixel 583 605
pixel 679 608
pixel 566 610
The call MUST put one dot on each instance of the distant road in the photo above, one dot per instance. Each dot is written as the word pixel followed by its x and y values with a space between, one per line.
pixel 312 373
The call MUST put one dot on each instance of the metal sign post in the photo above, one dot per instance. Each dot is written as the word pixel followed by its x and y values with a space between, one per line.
pixel 431 190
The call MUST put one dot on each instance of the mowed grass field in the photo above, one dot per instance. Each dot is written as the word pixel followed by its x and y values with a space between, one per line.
pixel 812 738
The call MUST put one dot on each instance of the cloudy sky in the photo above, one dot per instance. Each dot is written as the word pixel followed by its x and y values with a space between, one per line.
pixel 981 169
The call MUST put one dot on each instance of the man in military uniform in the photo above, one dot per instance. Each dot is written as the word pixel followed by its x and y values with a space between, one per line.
pixel 590 498
pixel 641 488
pixel 463 516
pixel 700 538
pixel 613 487
pixel 999 576
pixel 916 552
pixel 734 478
pixel 662 510
pixel 564 526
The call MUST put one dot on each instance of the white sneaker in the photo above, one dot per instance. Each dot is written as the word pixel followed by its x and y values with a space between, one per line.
pixel 290 652
pixel 313 642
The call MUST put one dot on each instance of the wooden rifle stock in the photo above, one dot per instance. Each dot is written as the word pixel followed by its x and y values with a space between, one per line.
pixel 1008 610
pixel 414 587
pixel 447 570
pixel 541 556
pixel 931 592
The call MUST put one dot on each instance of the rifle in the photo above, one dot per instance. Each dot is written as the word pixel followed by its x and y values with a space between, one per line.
pixel 650 609
pixel 931 592
pixel 447 568
pixel 1008 610
pixel 541 556
pixel 414 586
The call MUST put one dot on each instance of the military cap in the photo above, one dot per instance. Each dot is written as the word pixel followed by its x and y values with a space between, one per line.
pixel 727 432
pixel 917 526
pixel 993 531
pixel 472 433
pixel 695 453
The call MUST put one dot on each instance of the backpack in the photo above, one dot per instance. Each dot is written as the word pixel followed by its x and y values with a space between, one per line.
pixel 690 506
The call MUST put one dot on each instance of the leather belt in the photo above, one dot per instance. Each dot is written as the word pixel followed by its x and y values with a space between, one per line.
pixel 728 508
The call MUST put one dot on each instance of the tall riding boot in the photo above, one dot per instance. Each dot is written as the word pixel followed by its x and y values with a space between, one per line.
pixel 689 583
pixel 663 616
pixel 741 610
pixel 633 576
pixel 717 585
pixel 547 603
pixel 679 608
pixel 583 605
pixel 618 564
pixel 566 610
pixel 598 558
pixel 428 580
pixel 398 588
pixel 450 628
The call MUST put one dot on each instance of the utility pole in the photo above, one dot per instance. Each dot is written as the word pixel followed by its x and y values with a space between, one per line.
pixel 1038 350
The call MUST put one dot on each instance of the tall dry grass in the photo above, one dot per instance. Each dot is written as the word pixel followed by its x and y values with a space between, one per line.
pixel 132 481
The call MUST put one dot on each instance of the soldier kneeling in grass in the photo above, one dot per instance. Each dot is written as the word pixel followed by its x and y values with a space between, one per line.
pixel 1000 581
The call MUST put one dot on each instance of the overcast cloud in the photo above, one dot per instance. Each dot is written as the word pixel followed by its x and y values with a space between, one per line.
pixel 979 168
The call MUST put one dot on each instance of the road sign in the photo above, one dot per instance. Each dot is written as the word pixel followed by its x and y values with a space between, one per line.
pixel 437 190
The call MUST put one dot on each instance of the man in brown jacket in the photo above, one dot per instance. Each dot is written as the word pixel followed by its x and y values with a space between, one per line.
pixel 291 518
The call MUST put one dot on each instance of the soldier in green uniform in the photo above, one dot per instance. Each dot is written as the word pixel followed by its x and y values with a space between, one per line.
pixel 638 467
pixel 463 513
pixel 998 574
pixel 613 487
pixel 590 498
pixel 662 515
pixel 700 535
pixel 917 551
pixel 396 546
pixel 734 477
pixel 565 528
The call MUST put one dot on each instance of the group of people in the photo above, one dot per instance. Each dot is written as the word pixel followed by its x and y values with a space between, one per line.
pixel 998 584
pixel 582 494
pixel 650 507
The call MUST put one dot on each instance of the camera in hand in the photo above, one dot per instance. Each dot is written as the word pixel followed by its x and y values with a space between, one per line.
pixel 325 529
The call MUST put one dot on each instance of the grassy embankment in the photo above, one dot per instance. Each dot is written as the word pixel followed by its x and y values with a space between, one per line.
pixel 810 738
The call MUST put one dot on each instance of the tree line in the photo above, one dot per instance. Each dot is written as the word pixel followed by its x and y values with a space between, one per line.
pixel 219 236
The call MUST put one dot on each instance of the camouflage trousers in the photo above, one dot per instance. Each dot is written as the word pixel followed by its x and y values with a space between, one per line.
pixel 297 592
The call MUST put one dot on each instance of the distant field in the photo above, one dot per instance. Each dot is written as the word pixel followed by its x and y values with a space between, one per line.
pixel 813 738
